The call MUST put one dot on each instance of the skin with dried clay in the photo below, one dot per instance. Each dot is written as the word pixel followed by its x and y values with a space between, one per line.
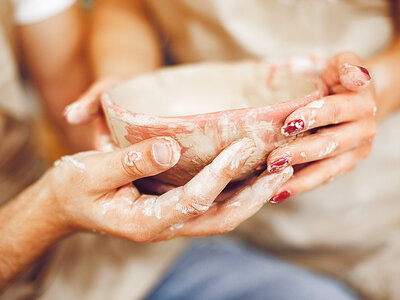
pixel 93 191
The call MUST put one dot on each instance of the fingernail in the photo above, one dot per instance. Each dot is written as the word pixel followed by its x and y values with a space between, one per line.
pixel 350 76
pixel 280 197
pixel 162 153
pixel 279 164
pixel 166 151
pixel 293 127
pixel 365 71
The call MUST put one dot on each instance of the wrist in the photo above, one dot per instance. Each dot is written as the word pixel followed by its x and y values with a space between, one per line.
pixel 385 73
pixel 29 226
pixel 48 210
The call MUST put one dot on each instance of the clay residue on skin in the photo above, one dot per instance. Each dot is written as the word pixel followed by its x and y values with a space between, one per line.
pixel 149 207
pixel 186 210
pixel 267 184
pixel 106 206
pixel 311 121
pixel 132 157
pixel 232 156
pixel 71 160
pixel 316 104
pixel 234 204
pixel 176 226
pixel 328 150
pixel 245 153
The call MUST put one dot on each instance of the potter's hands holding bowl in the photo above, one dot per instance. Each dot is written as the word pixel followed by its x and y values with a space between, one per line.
pixel 344 123
pixel 94 191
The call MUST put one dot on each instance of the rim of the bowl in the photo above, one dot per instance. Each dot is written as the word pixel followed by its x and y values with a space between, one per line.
pixel 320 91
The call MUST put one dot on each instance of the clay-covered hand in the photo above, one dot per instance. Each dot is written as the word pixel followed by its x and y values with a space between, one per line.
pixel 342 127
pixel 94 191
pixel 88 108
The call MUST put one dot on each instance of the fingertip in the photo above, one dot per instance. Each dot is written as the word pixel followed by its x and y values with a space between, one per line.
pixel 166 151
pixel 280 197
pixel 365 71
pixel 276 165
pixel 354 77
pixel 293 127
pixel 77 113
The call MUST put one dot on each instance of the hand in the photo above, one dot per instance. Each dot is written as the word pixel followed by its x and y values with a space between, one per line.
pixel 94 191
pixel 342 127
pixel 88 108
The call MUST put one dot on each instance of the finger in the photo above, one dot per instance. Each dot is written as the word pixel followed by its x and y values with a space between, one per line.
pixel 128 193
pixel 87 107
pixel 321 172
pixel 225 217
pixel 196 196
pixel 346 69
pixel 119 204
pixel 329 110
pixel 325 143
pixel 147 158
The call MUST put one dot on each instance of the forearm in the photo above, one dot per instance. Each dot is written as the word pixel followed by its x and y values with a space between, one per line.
pixel 122 41
pixel 385 70
pixel 53 53
pixel 27 228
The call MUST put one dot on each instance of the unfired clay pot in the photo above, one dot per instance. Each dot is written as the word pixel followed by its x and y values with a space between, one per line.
pixel 206 107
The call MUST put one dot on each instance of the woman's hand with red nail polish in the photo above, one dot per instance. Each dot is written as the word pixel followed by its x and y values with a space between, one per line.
pixel 343 126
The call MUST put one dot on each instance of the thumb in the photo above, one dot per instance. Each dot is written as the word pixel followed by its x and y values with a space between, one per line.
pixel 345 71
pixel 147 158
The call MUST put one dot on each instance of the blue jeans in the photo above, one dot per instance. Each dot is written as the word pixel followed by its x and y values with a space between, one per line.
pixel 218 268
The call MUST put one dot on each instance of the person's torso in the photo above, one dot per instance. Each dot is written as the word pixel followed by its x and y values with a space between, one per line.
pixel 237 29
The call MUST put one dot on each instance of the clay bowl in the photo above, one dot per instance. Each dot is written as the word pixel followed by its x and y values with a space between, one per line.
pixel 206 107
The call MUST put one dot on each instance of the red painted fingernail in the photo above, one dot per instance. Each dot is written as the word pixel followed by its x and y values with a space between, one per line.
pixel 279 164
pixel 293 127
pixel 280 197
pixel 365 71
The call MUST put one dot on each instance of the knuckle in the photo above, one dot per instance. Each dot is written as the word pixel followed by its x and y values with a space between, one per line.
pixel 225 173
pixel 195 207
pixel 132 169
pixel 194 202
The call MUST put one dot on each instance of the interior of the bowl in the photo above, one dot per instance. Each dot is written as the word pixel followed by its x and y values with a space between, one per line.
pixel 210 87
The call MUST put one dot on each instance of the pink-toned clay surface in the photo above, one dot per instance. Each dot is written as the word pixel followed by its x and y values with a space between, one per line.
pixel 203 136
